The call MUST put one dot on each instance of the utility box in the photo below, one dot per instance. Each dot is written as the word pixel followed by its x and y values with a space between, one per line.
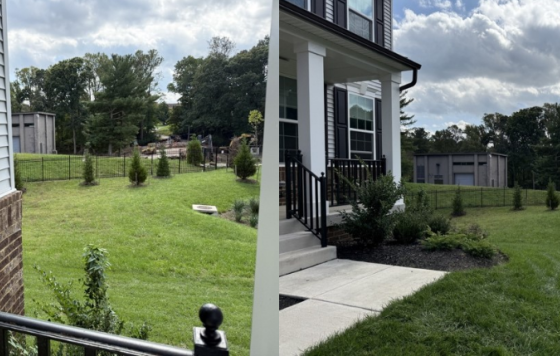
pixel 33 132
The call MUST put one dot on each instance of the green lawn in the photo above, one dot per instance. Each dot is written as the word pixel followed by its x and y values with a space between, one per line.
pixel 510 309
pixel 166 259
pixel 164 130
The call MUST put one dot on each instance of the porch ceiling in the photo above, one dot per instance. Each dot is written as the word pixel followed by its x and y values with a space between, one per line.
pixel 346 60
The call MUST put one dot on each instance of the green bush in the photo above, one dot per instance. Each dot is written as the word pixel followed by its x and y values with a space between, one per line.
pixel 422 201
pixel 481 249
pixel 137 173
pixel 254 206
pixel 458 209
pixel 517 199
pixel 244 162
pixel 17 176
pixel 95 311
pixel 551 196
pixel 254 220
pixel 410 226
pixel 163 165
pixel 88 172
pixel 443 242
pixel 194 152
pixel 439 224
pixel 370 221
pixel 475 231
pixel 471 243
pixel 238 207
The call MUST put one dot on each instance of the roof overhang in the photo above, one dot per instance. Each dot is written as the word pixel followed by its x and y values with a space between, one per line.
pixel 350 58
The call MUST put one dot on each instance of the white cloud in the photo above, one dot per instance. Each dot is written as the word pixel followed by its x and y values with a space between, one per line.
pixel 460 124
pixel 440 4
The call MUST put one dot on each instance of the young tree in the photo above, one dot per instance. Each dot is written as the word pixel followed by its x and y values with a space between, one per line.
pixel 256 120
pixel 163 165
pixel 551 196
pixel 194 152
pixel 137 173
pixel 244 162
pixel 517 199
pixel 88 173
pixel 458 209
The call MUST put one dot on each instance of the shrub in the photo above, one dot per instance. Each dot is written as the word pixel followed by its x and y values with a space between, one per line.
pixel 88 172
pixel 409 227
pixel 458 209
pixel 517 199
pixel 137 173
pixel 422 201
pixel 254 220
pixel 244 161
pixel 238 207
pixel 95 312
pixel 481 249
pixel 471 243
pixel 475 231
pixel 163 165
pixel 370 221
pixel 254 206
pixel 551 196
pixel 445 242
pixel 194 152
pixel 439 224
pixel 17 176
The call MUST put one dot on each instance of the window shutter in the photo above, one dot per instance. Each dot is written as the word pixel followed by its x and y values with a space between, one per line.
pixel 341 122
pixel 379 23
pixel 378 128
pixel 340 13
pixel 318 7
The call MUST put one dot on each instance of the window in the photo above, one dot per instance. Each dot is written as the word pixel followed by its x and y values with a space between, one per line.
pixel 361 126
pixel 300 3
pixel 288 117
pixel 360 17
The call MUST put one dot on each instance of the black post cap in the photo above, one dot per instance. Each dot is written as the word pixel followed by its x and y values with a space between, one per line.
pixel 211 317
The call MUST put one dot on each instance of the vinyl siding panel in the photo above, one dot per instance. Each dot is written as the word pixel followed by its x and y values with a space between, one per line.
pixel 5 185
pixel 330 121
pixel 388 23
pixel 329 10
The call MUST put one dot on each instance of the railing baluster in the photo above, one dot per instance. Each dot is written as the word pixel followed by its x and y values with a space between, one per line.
pixel 4 347
pixel 89 352
pixel 43 346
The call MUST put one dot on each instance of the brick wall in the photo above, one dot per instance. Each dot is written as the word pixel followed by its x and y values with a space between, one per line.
pixel 338 237
pixel 11 262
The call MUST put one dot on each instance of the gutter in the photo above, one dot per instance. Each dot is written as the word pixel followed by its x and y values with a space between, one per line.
pixel 412 83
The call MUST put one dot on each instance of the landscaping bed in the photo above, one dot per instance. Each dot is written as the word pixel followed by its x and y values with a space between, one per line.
pixel 413 255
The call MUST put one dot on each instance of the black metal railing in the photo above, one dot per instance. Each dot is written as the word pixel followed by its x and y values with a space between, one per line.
pixel 306 197
pixel 208 340
pixel 340 192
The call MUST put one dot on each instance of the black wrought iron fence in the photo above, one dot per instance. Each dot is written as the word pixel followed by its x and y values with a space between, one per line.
pixel 480 197
pixel 208 340
pixel 66 167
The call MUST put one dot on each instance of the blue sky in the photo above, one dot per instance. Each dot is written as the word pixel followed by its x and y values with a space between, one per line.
pixel 478 57
pixel 41 33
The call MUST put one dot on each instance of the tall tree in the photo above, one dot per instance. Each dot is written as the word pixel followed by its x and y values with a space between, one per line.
pixel 31 80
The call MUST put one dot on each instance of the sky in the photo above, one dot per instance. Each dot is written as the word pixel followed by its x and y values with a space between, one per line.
pixel 43 32
pixel 478 57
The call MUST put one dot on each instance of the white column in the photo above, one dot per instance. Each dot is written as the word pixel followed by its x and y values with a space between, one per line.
pixel 390 112
pixel 311 105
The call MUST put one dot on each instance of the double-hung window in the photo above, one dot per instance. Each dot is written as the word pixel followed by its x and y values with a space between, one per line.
pixel 360 18
pixel 288 117
pixel 361 126
pixel 300 3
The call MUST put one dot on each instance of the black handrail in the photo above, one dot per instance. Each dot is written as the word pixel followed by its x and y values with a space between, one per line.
pixel 354 170
pixel 306 197
pixel 208 341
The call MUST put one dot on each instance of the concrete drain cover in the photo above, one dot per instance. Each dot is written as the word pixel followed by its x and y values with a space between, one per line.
pixel 206 209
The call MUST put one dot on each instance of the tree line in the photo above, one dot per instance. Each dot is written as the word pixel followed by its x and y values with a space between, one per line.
pixel 106 103
pixel 530 137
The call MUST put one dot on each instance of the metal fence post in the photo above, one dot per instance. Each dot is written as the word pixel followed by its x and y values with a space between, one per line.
pixel 481 203
pixel 152 167
pixel 124 165
pixel 43 168
pixel 4 347
pixel 179 171
pixel 436 199
pixel 69 167
pixel 504 196
pixel 208 340
pixel 97 165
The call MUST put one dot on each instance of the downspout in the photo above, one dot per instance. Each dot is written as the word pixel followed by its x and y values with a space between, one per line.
pixel 412 83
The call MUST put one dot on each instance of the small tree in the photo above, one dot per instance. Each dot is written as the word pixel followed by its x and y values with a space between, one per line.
pixel 551 196
pixel 163 165
pixel 458 209
pixel 244 161
pixel 17 176
pixel 194 152
pixel 255 120
pixel 88 172
pixel 517 199
pixel 137 173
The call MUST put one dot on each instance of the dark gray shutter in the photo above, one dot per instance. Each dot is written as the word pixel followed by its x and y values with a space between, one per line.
pixel 378 128
pixel 379 23
pixel 341 123
pixel 340 13
pixel 318 7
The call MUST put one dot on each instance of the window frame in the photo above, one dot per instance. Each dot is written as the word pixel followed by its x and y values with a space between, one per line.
pixel 289 121
pixel 359 13
pixel 350 129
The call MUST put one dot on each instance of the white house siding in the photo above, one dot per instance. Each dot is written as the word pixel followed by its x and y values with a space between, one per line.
pixel 388 23
pixel 330 10
pixel 6 181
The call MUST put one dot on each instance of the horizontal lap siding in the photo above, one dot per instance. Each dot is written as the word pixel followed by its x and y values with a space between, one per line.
pixel 5 181
pixel 330 120
pixel 330 10
pixel 388 23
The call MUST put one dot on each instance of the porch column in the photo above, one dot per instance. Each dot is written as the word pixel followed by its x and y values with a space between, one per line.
pixel 390 113
pixel 311 105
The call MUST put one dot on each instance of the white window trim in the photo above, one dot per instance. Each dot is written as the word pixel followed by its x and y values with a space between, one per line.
pixel 350 129
pixel 372 19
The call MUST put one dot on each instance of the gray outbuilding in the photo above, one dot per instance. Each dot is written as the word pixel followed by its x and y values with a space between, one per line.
pixel 477 169
pixel 33 132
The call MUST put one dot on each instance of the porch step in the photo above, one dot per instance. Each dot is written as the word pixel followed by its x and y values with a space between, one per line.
pixel 304 258
pixel 298 241
pixel 290 226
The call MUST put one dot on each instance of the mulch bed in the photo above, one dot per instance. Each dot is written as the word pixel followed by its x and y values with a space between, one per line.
pixel 392 253
pixel 286 301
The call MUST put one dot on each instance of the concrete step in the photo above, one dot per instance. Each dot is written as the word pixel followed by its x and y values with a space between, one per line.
pixel 307 257
pixel 290 226
pixel 298 241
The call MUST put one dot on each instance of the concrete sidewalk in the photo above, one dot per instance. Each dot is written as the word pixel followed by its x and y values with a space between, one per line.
pixel 339 293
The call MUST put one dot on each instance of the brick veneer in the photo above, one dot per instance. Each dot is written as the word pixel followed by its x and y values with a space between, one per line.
pixel 11 261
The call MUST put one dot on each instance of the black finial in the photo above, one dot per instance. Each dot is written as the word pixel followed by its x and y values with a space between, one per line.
pixel 211 317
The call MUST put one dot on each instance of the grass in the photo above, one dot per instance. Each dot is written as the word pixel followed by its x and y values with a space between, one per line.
pixel 511 309
pixel 164 130
pixel 167 260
